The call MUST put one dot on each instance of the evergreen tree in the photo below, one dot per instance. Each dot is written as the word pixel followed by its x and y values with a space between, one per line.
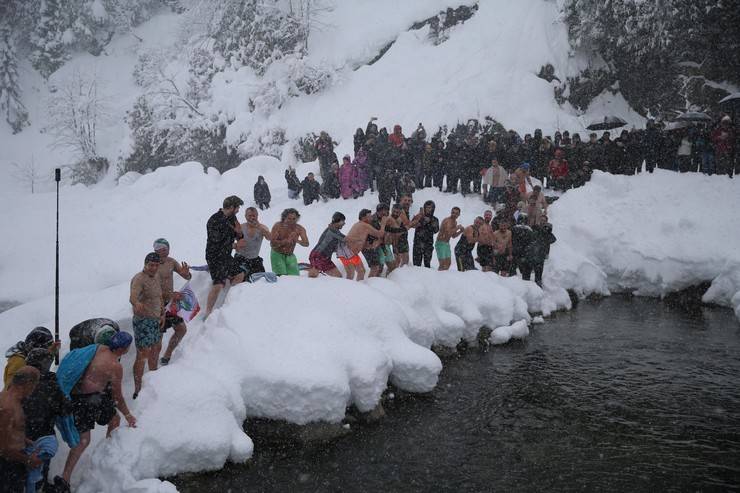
pixel 255 33
pixel 11 105
pixel 49 52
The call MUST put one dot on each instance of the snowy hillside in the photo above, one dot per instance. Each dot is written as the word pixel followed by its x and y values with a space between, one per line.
pixel 485 66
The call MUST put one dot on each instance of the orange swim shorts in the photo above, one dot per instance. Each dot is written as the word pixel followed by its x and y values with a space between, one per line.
pixel 353 260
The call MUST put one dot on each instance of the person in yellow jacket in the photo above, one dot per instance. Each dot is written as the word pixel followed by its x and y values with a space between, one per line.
pixel 40 337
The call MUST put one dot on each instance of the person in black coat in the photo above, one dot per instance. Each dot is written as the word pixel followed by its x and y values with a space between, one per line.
pixel 537 251
pixel 359 139
pixel 427 225
pixel 521 237
pixel 294 184
pixel 311 189
pixel 45 404
pixel 262 193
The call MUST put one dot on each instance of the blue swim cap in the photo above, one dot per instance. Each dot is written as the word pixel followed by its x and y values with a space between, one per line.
pixel 120 340
pixel 525 166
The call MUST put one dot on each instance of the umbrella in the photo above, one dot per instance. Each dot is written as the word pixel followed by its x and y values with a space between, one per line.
pixel 678 125
pixel 694 116
pixel 608 123
pixel 732 98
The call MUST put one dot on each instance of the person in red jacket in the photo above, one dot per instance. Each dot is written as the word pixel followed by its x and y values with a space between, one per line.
pixel 396 138
pixel 558 171
pixel 723 138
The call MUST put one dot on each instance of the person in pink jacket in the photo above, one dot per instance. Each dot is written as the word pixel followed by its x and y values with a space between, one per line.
pixel 347 178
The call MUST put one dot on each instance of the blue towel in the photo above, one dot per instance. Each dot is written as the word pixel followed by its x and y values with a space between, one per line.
pixel 267 276
pixel 46 448
pixel 73 366
pixel 70 370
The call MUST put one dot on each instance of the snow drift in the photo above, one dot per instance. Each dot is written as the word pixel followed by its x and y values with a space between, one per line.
pixel 650 235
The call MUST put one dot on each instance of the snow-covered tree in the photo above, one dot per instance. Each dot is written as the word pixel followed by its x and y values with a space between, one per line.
pixel 75 109
pixel 46 40
pixel 254 33
pixel 11 106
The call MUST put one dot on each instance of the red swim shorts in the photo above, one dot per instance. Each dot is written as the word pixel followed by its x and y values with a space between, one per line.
pixel 354 260
pixel 320 262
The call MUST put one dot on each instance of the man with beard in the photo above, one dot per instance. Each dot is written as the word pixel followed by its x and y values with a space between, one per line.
pixel 222 231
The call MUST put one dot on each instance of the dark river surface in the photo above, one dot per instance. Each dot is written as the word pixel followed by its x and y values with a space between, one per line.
pixel 621 394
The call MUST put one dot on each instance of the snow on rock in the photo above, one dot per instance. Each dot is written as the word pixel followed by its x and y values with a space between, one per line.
pixel 517 330
pixel 649 234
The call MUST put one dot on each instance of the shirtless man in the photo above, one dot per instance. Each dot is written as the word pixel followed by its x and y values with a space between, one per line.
pixel 167 267
pixel 464 247
pixel 286 233
pixel 485 242
pixel 447 230
pixel 361 237
pixel 13 460
pixel 248 248
pixel 97 395
pixel 521 178
pixel 148 319
pixel 536 206
pixel 502 249
pixel 403 238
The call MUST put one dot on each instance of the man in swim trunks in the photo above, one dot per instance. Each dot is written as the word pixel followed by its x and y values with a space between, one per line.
pixel 361 238
pixel 485 243
pixel 464 247
pixel 223 230
pixel 148 319
pixel 96 397
pixel 375 250
pixel 536 206
pixel 286 233
pixel 248 248
pixel 502 249
pixel 447 230
pixel 405 224
pixel 329 242
pixel 167 267
pixel 384 250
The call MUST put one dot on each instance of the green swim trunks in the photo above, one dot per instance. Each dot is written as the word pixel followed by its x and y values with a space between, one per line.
pixel 284 265
pixel 146 332
pixel 443 250
pixel 385 255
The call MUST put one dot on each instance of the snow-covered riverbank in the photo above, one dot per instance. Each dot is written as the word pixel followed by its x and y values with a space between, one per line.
pixel 304 349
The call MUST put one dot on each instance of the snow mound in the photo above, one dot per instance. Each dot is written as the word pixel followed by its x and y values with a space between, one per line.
pixel 300 350
pixel 517 330
pixel 649 234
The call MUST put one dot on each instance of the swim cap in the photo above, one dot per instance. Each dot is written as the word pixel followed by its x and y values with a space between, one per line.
pixel 104 335
pixel 120 340
pixel 160 243
pixel 39 337
pixel 525 166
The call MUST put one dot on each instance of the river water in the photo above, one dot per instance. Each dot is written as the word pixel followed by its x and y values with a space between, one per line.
pixel 619 394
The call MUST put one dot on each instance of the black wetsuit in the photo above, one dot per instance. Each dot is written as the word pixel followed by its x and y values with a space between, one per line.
pixel 464 254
